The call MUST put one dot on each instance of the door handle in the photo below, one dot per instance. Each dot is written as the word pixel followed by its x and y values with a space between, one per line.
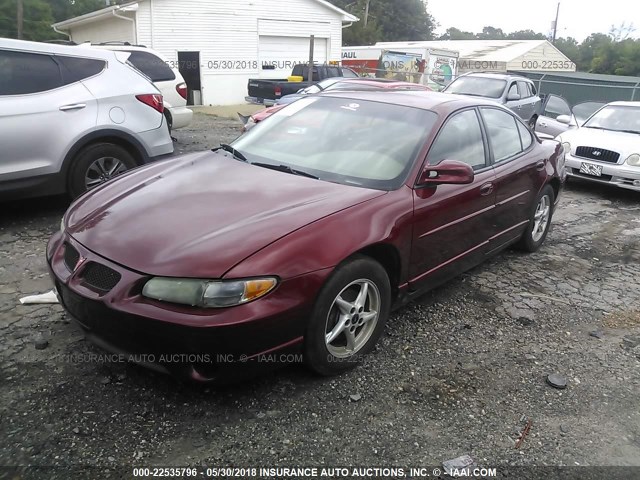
pixel 540 165
pixel 75 106
pixel 486 189
pixel 543 124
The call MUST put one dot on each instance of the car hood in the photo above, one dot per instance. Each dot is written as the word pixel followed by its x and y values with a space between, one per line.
pixel 624 143
pixel 201 214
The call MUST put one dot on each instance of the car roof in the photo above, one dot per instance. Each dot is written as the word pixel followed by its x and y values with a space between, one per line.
pixel 434 101
pixel 502 76
pixel 381 82
pixel 56 49
pixel 625 104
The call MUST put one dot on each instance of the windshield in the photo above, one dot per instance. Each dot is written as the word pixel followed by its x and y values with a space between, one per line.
pixel 478 86
pixel 353 142
pixel 616 117
pixel 582 111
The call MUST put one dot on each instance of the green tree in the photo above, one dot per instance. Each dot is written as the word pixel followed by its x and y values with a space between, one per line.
pixel 387 21
pixel 37 20
pixel 526 35
pixel 569 47
pixel 453 33
pixel 491 33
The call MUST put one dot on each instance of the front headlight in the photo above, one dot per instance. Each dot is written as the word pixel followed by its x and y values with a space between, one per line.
pixel 634 160
pixel 208 293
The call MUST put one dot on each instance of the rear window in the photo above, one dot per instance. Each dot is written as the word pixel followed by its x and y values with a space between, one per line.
pixel 22 73
pixel 151 65
pixel 75 69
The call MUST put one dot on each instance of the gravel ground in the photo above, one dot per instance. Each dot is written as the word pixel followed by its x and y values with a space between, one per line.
pixel 459 371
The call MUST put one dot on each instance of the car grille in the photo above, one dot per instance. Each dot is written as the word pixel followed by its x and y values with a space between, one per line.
pixel 598 154
pixel 71 257
pixel 100 277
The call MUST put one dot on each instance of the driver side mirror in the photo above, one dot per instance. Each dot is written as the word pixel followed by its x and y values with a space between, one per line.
pixel 447 172
pixel 512 97
pixel 565 119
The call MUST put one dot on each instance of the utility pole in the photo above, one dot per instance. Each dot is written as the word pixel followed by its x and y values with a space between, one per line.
pixel 20 19
pixel 366 13
pixel 555 24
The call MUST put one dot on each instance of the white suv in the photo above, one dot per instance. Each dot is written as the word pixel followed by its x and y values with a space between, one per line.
pixel 168 80
pixel 71 118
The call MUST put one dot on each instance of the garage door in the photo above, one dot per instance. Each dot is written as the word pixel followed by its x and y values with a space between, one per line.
pixel 277 55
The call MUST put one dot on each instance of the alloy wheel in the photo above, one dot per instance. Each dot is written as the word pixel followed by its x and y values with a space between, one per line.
pixel 352 318
pixel 101 170
pixel 541 218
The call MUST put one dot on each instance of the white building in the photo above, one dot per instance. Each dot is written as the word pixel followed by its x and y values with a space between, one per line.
pixel 498 55
pixel 218 45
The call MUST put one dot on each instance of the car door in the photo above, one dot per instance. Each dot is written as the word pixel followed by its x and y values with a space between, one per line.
pixel 527 100
pixel 452 223
pixel 520 173
pixel 554 107
pixel 40 116
pixel 513 99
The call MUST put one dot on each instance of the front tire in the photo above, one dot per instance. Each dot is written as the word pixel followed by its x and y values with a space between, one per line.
pixel 539 221
pixel 532 122
pixel 97 164
pixel 348 318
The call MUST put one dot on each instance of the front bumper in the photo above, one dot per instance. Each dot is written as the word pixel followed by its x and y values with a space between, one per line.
pixel 199 344
pixel 619 175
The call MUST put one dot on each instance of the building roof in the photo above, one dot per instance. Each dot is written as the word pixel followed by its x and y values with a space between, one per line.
pixel 133 6
pixel 487 50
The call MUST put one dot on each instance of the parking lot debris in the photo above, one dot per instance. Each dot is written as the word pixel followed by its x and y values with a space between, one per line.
pixel 41 342
pixel 50 297
pixel 458 465
pixel 597 334
pixel 355 398
pixel 524 433
pixel 557 381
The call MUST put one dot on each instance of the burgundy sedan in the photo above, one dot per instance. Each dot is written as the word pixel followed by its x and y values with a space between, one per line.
pixel 304 233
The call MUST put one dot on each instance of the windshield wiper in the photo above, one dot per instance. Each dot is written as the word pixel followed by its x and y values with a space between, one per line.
pixel 228 148
pixel 286 169
pixel 629 131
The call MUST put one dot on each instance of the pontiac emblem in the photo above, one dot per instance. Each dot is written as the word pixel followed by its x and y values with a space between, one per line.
pixel 596 153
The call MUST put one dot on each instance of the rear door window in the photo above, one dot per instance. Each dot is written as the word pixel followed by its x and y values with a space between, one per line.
pixel 152 66
pixel 23 73
pixel 504 134
pixel 525 92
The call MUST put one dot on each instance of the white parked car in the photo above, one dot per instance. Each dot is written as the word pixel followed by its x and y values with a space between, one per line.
pixel 607 147
pixel 71 118
pixel 168 80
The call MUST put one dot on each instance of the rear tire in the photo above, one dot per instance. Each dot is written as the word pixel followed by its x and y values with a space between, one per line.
pixel 349 317
pixel 97 164
pixel 539 221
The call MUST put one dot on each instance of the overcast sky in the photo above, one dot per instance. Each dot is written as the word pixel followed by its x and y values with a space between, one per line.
pixel 578 18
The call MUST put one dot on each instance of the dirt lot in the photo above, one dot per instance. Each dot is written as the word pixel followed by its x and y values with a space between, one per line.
pixel 460 371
